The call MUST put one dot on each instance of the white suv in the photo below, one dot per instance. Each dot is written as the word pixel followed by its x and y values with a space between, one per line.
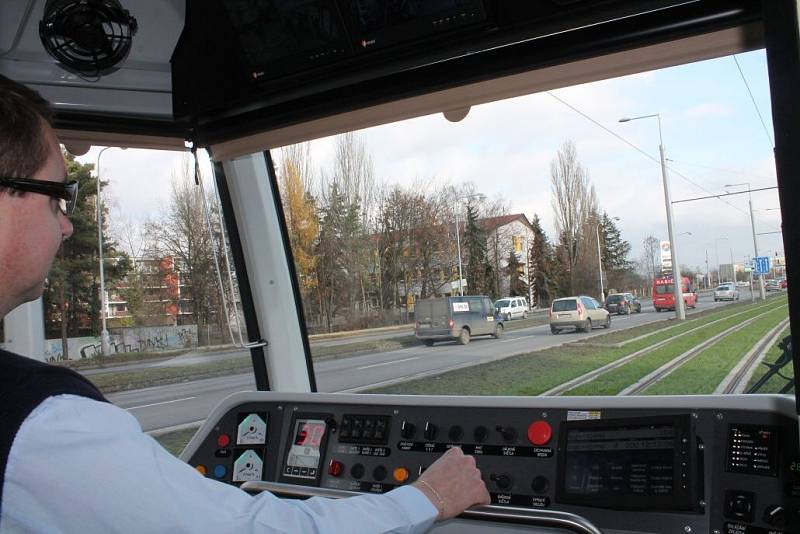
pixel 511 308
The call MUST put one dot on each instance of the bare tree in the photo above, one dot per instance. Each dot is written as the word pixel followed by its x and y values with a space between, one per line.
pixel 650 258
pixel 180 235
pixel 575 207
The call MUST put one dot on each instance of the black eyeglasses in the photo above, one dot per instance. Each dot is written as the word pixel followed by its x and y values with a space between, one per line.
pixel 66 193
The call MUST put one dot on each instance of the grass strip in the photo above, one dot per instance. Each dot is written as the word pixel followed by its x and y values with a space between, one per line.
pixel 120 358
pixel 615 381
pixel 360 347
pixel 176 441
pixel 776 383
pixel 122 381
pixel 705 371
pixel 522 375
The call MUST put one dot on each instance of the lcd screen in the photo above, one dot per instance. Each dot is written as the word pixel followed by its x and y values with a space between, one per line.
pixel 305 450
pixel 627 463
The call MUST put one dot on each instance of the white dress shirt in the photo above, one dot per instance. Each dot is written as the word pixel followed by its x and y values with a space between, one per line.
pixel 82 466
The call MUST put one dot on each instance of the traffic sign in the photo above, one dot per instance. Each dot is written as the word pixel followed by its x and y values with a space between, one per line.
pixel 761 265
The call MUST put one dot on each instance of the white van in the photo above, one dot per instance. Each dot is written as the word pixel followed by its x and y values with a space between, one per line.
pixel 512 308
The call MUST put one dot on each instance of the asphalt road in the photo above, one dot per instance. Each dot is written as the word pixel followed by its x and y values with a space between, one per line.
pixel 176 404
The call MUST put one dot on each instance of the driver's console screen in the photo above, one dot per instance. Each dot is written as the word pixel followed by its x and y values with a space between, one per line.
pixel 628 463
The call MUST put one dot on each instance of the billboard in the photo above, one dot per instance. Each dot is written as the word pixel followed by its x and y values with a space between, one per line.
pixel 666 256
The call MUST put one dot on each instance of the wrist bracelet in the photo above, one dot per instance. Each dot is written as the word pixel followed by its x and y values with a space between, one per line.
pixel 436 494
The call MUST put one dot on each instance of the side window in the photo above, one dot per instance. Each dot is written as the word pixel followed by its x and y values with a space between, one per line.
pixel 475 304
pixel 597 305
pixel 488 309
pixel 588 303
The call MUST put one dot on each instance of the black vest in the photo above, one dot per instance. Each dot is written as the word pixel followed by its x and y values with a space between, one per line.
pixel 24 384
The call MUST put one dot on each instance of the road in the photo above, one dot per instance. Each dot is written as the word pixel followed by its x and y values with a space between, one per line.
pixel 176 404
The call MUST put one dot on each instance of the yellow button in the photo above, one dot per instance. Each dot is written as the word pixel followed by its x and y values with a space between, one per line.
pixel 201 469
pixel 400 474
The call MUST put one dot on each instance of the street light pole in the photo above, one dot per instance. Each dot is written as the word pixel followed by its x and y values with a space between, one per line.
pixel 680 311
pixel 480 196
pixel 716 253
pixel 104 338
pixel 104 341
pixel 600 263
pixel 458 246
pixel 753 229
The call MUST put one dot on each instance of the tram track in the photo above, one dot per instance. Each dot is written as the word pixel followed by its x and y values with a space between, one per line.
pixel 595 373
pixel 671 366
pixel 740 375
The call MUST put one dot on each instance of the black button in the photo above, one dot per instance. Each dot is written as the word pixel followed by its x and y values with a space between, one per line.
pixel 367 434
pixel 357 471
pixel 379 434
pixel 456 433
pixel 540 484
pixel 379 473
pixel 481 434
pixel 369 423
pixel 356 433
pixel 739 505
pixel 222 453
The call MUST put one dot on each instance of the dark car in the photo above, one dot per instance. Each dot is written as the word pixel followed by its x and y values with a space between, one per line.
pixel 456 318
pixel 623 303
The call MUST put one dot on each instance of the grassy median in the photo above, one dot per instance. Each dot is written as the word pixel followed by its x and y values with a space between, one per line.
pixel 707 370
pixel 536 372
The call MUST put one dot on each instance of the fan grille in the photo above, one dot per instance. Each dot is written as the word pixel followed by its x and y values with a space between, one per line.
pixel 87 36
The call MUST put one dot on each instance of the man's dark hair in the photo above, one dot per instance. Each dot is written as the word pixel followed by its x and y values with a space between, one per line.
pixel 23 147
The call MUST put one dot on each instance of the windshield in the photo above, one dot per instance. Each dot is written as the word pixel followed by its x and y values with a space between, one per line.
pixel 431 208
pixel 615 298
pixel 514 199
pixel 502 303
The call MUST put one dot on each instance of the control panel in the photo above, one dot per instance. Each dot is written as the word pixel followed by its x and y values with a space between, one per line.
pixel 716 464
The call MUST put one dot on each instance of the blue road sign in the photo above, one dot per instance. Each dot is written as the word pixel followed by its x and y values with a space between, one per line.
pixel 761 265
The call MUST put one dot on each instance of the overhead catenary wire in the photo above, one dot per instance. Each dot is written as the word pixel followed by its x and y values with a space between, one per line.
pixel 642 151
pixel 753 100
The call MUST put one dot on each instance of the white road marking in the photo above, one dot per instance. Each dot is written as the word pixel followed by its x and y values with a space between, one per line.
pixel 159 403
pixel 387 363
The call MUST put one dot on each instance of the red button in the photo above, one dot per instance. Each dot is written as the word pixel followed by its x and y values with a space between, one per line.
pixel 335 468
pixel 539 433
pixel 223 440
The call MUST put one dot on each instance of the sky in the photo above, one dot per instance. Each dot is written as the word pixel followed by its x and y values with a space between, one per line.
pixel 712 133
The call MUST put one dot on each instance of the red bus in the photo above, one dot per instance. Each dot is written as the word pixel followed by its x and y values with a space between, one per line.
pixel 664 293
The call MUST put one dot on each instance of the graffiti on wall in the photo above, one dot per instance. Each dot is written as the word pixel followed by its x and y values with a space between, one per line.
pixel 121 340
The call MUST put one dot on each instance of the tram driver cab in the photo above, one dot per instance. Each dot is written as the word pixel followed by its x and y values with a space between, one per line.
pixel 247 88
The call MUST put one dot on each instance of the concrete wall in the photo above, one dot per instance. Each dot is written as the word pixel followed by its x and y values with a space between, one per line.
pixel 144 339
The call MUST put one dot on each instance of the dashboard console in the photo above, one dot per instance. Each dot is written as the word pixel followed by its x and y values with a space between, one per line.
pixel 718 464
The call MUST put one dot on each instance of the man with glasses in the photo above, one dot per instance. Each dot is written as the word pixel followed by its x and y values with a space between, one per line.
pixel 72 462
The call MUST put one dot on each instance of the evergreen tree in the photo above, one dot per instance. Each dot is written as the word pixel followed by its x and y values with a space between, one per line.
pixel 339 234
pixel 614 249
pixel 540 266
pixel 72 298
pixel 517 287
pixel 475 252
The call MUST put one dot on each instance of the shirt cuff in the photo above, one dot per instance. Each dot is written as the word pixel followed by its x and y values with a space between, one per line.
pixel 419 509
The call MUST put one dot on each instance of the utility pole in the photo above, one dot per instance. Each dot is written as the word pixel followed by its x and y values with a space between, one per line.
pixel 708 279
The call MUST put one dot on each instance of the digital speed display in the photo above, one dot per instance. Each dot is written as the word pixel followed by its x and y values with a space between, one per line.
pixel 626 463
pixel 306 449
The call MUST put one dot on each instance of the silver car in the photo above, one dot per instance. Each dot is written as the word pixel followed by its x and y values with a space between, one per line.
pixel 726 292
pixel 580 313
